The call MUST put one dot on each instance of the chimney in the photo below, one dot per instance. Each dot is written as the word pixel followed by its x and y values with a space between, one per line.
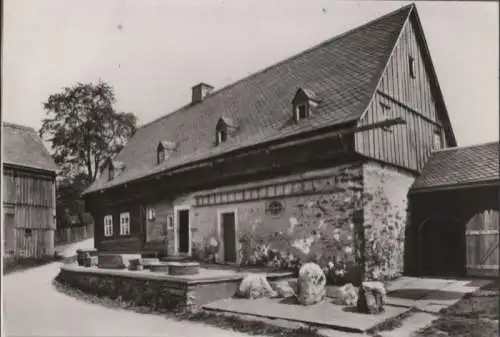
pixel 200 91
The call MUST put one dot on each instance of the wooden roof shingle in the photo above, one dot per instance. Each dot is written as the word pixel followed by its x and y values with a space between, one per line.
pixel 343 71
pixel 460 166
pixel 23 147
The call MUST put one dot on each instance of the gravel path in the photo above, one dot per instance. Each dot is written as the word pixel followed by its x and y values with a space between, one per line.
pixel 32 307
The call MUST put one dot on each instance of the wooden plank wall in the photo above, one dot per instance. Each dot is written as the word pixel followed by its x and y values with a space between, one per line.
pixel 31 201
pixel 410 98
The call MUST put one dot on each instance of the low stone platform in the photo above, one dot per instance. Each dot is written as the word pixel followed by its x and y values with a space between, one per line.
pixel 157 290
pixel 324 314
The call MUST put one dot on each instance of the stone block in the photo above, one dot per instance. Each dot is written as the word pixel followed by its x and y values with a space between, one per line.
pixel 311 284
pixel 90 261
pixel 159 267
pixel 183 268
pixel 110 261
pixel 283 288
pixel 344 295
pixel 371 298
pixel 255 286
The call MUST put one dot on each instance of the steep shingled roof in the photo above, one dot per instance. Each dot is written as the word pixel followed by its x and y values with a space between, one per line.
pixel 343 73
pixel 23 147
pixel 458 166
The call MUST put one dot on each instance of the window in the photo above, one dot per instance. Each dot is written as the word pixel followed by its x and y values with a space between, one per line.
pixel 301 112
pixel 125 223
pixel 108 225
pixel 221 136
pixel 275 208
pixel 411 64
pixel 385 115
pixel 437 141
pixel 161 156
pixel 111 172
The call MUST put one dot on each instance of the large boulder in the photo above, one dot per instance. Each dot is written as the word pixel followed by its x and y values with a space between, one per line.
pixel 283 288
pixel 255 286
pixel 311 284
pixel 345 295
pixel 372 297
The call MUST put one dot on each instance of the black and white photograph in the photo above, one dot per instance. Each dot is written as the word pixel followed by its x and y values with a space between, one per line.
pixel 199 168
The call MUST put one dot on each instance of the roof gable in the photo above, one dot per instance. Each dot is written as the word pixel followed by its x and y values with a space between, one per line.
pixel 343 71
pixel 460 166
pixel 23 147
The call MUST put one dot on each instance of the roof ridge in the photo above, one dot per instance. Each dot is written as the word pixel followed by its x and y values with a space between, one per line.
pixel 466 146
pixel 308 50
pixel 18 126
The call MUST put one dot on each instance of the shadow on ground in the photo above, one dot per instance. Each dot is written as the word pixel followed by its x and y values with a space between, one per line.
pixel 417 294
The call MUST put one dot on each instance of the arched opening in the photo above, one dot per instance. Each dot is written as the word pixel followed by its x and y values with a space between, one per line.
pixel 481 232
pixel 439 242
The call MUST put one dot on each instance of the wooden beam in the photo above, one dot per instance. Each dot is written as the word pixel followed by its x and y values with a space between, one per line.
pixel 410 109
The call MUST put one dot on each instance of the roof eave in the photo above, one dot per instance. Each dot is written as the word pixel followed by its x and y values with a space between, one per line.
pixel 473 184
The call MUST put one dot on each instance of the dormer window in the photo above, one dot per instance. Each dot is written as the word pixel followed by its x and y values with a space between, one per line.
pixel 164 150
pixel 111 172
pixel 221 136
pixel 114 169
pixel 304 102
pixel 302 111
pixel 226 126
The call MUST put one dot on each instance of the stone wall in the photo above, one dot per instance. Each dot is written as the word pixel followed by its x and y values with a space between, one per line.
pixel 317 225
pixel 385 214
pixel 156 291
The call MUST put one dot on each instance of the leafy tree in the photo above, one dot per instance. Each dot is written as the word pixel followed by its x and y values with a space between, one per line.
pixel 84 128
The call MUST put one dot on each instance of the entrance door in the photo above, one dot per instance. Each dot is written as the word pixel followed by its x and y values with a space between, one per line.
pixel 482 244
pixel 228 227
pixel 183 230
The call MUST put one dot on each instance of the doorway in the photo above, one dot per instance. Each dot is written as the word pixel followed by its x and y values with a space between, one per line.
pixel 227 230
pixel 183 231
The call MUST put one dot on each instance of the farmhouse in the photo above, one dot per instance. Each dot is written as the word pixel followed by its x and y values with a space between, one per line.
pixel 301 160
pixel 28 194
pixel 454 213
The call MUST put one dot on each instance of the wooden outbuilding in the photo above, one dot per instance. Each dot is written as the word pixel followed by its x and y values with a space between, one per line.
pixel 454 208
pixel 29 193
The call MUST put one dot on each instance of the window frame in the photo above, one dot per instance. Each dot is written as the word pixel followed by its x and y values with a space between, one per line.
pixel 108 225
pixel 298 107
pixel 385 108
pixel 124 216
pixel 437 135
pixel 221 136
pixel 411 66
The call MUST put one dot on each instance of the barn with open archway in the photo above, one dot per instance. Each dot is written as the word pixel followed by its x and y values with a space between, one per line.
pixel 454 209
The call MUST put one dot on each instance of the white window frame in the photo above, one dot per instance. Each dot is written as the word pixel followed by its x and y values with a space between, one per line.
pixel 125 223
pixel 108 225
pixel 297 111
pixel 437 137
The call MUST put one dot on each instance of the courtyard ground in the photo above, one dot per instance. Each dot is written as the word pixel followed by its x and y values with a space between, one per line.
pixel 33 307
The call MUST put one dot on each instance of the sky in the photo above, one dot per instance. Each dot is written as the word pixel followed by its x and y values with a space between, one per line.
pixel 153 52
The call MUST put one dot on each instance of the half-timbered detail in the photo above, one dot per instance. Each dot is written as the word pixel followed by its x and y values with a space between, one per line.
pixel 454 213
pixel 298 158
pixel 29 173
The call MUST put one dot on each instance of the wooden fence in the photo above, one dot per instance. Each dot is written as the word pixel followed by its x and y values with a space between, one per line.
pixel 73 234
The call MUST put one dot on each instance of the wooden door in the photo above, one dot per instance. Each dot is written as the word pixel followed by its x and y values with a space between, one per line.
pixel 9 237
pixel 228 226
pixel 183 231
pixel 482 244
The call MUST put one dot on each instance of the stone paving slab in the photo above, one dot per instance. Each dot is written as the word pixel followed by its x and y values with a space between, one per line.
pixel 324 314
pixel 413 323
